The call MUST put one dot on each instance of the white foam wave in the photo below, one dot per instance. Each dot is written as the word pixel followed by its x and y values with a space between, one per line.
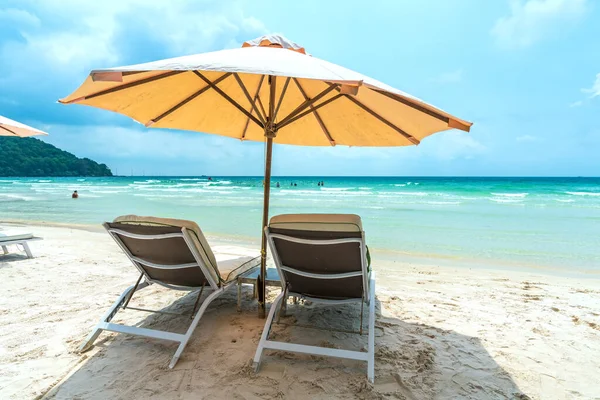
pixel 13 197
pixel 501 200
pixel 521 195
pixel 420 194
pixel 584 193
pixel 443 202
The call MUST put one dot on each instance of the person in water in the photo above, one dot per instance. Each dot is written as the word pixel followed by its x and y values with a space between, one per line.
pixel 278 184
pixel 75 195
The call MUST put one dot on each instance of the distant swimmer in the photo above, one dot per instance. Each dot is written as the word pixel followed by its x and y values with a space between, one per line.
pixel 75 195
pixel 209 178
pixel 322 183
pixel 295 184
pixel 278 184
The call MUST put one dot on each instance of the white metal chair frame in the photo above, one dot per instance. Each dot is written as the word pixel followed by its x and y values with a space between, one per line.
pixel 281 299
pixel 22 242
pixel 123 300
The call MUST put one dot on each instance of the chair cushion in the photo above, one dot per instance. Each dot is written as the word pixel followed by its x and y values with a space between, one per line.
pixel 318 222
pixel 202 245
pixel 9 235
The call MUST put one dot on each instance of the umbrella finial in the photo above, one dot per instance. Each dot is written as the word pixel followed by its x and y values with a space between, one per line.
pixel 274 40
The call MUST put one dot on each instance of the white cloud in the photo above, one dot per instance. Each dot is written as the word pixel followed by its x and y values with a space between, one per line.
pixel 68 38
pixel 532 20
pixel 578 103
pixel 13 15
pixel 449 77
pixel 451 145
pixel 527 138
pixel 594 91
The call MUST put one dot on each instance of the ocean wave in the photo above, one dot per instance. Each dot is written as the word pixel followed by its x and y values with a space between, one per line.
pixel 193 179
pixel 420 194
pixel 147 181
pixel 106 191
pixel 443 202
pixel 521 195
pixel 400 184
pixel 565 200
pixel 44 181
pixel 336 189
pixel 584 193
pixel 219 182
pixel 501 200
pixel 13 197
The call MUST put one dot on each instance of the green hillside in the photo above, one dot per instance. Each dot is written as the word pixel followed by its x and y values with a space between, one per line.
pixel 33 157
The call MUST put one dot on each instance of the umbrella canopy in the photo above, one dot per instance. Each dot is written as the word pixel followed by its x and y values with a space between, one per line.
pixel 270 90
pixel 8 127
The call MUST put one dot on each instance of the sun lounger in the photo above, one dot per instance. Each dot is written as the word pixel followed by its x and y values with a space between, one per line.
pixel 174 254
pixel 322 258
pixel 12 237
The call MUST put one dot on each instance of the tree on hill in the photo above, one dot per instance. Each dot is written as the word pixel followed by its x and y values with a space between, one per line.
pixel 33 157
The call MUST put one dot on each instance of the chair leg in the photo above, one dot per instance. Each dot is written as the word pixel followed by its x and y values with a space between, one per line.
pixel 109 315
pixel 239 296
pixel 194 324
pixel 371 340
pixel 27 250
pixel 265 333
pixel 5 249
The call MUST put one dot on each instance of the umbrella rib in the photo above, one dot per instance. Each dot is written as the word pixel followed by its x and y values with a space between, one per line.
pixel 413 105
pixel 410 138
pixel 187 100
pixel 317 116
pixel 285 85
pixel 252 103
pixel 8 130
pixel 262 78
pixel 229 99
pixel 306 104
pixel 125 86
pixel 311 110
pixel 262 107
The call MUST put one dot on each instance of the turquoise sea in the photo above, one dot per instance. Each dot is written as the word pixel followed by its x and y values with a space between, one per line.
pixel 550 223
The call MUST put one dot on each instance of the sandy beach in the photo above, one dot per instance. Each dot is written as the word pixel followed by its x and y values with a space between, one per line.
pixel 441 333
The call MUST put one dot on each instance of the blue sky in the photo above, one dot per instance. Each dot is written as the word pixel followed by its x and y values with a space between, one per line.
pixel 526 72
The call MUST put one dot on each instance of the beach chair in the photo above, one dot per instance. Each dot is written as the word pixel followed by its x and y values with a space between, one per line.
pixel 174 254
pixel 12 237
pixel 322 258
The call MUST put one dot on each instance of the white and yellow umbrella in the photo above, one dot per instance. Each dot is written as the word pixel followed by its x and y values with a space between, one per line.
pixel 271 91
pixel 8 127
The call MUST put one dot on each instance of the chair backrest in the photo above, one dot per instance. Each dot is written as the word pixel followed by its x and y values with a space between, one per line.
pixel 167 251
pixel 320 255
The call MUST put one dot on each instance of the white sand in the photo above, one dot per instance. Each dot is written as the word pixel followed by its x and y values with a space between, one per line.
pixel 442 333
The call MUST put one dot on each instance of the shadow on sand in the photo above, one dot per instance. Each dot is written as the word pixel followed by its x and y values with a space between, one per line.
pixel 413 361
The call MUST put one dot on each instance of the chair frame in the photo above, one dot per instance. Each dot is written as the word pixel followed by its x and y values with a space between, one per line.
pixel 105 325
pixel 368 297
pixel 22 242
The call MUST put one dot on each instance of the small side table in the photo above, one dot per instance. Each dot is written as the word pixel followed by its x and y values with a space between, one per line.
pixel 252 278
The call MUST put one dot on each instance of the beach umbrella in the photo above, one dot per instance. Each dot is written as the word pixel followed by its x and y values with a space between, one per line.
pixel 269 90
pixel 8 127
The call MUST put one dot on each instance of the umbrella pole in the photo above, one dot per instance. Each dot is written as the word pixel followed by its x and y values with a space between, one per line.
pixel 263 247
